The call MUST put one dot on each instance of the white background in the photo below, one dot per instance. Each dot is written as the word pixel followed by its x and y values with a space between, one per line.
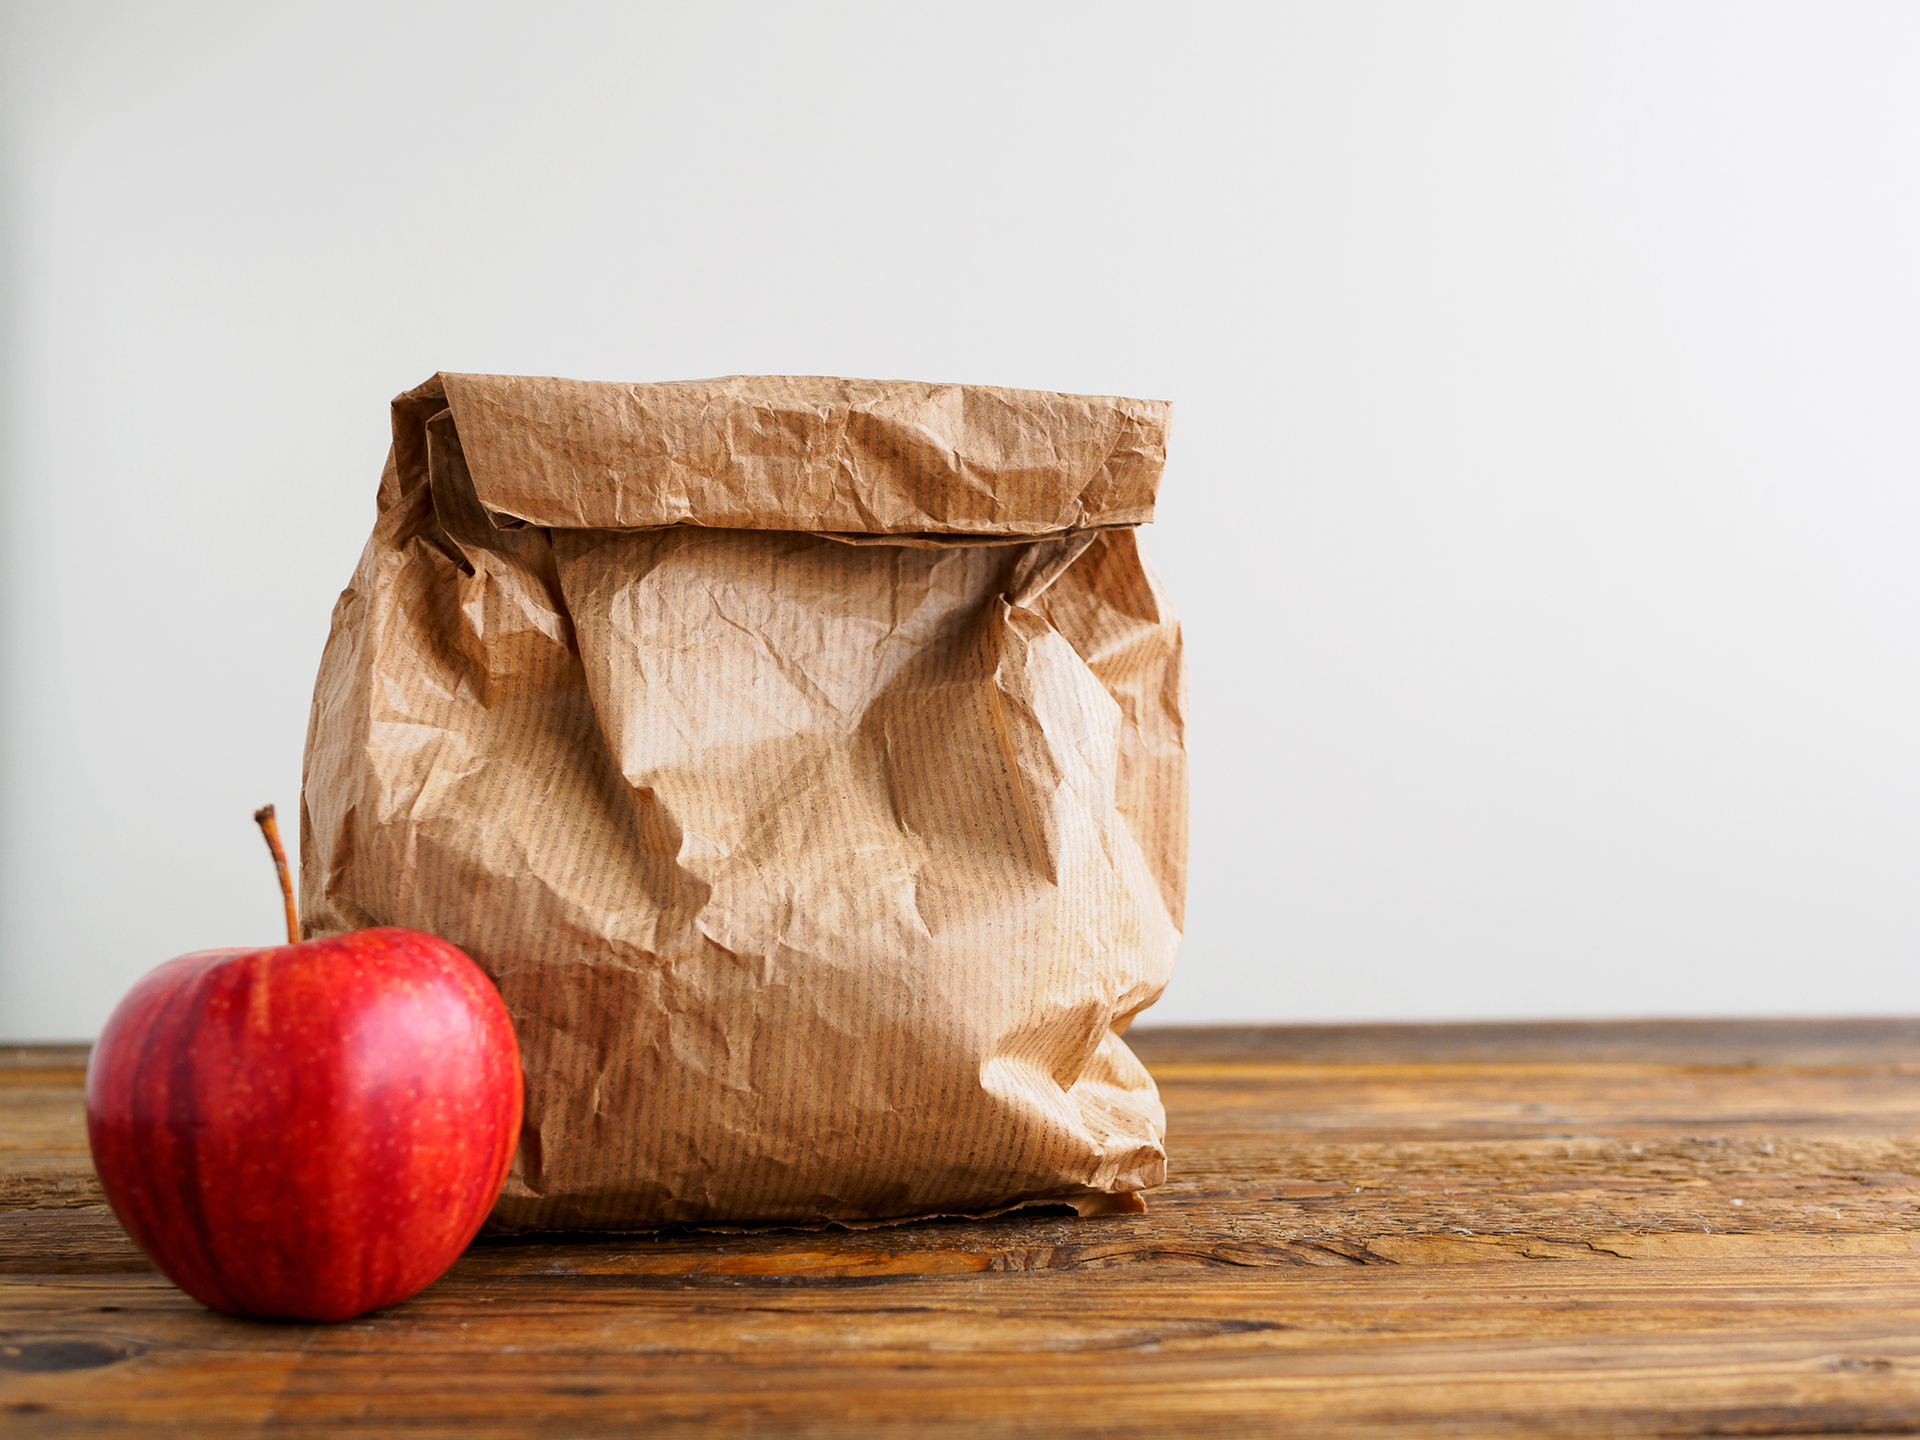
pixel 1542 504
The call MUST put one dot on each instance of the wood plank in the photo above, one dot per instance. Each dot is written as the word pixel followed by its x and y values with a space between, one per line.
pixel 62 1055
pixel 43 1138
pixel 1652 1348
pixel 1496 1233
pixel 1690 1042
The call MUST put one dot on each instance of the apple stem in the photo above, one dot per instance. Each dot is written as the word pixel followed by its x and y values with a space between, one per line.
pixel 263 817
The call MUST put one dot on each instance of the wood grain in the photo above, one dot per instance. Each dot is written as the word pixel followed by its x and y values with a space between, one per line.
pixel 1655 1228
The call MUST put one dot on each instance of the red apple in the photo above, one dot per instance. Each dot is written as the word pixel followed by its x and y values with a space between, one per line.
pixel 311 1130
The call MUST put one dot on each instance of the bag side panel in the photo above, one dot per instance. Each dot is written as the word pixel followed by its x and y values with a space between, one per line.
pixel 1110 606
pixel 455 773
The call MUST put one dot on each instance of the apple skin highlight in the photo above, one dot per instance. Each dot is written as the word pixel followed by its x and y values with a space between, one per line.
pixel 309 1131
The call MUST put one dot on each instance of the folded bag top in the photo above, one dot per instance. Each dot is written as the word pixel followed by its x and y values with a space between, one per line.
pixel 803 759
pixel 813 453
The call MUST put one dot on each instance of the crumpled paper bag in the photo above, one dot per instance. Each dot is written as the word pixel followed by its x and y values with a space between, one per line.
pixel 803 758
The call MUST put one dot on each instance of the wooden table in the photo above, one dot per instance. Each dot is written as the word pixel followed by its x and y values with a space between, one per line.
pixel 1631 1229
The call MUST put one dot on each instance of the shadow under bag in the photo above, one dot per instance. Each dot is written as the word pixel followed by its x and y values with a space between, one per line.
pixel 803 758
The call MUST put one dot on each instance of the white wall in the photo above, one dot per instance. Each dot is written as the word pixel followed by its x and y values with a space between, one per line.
pixel 1542 503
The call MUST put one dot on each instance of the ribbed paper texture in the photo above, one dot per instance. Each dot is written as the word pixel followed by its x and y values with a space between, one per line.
pixel 804 760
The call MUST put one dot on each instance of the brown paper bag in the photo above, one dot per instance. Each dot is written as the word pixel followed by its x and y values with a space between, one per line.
pixel 804 760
